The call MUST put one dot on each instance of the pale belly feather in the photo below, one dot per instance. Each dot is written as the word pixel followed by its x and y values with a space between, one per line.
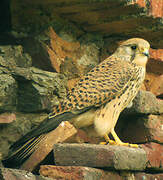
pixel 105 117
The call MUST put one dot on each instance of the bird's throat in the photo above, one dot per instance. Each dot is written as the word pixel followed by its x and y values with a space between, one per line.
pixel 140 60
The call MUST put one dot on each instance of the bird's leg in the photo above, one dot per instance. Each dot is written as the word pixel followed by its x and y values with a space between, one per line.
pixel 108 140
pixel 119 142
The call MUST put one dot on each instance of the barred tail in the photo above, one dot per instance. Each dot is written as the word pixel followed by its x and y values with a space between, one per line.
pixel 19 156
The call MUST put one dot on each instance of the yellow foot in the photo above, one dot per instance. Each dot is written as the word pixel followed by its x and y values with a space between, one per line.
pixel 103 143
pixel 134 145
pixel 111 142
pixel 120 143
pixel 126 144
pixel 108 140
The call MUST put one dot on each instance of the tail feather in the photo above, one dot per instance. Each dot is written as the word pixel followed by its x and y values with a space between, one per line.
pixel 29 147
pixel 17 158
pixel 24 147
pixel 46 126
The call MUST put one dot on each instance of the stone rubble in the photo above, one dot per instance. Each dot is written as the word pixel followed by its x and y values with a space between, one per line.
pixel 47 54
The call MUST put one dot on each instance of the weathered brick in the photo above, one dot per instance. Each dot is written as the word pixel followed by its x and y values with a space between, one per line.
pixel 154 153
pixel 15 174
pixel 117 157
pixel 154 83
pixel 156 8
pixel 145 176
pixel 146 103
pixel 77 172
pixel 61 134
pixel 143 129
pixel 155 63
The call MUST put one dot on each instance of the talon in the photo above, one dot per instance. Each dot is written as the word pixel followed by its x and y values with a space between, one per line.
pixel 103 143
pixel 111 142
pixel 117 141
pixel 120 143
pixel 107 139
pixel 134 145
pixel 123 144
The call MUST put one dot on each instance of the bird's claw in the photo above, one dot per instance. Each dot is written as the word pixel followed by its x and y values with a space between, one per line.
pixel 127 144
pixel 103 143
pixel 134 145
pixel 111 142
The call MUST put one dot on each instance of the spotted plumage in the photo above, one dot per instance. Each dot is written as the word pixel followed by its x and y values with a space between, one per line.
pixel 98 98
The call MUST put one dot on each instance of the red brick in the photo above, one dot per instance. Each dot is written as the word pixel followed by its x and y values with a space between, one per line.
pixel 77 172
pixel 15 174
pixel 154 153
pixel 156 54
pixel 141 3
pixel 145 176
pixel 156 8
pixel 59 49
pixel 155 63
pixel 144 129
pixel 61 134
pixel 154 83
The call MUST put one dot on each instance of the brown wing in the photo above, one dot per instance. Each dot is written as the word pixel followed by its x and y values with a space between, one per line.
pixel 105 82
pixel 102 84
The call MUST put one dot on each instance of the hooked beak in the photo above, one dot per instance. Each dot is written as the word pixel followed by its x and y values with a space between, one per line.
pixel 145 51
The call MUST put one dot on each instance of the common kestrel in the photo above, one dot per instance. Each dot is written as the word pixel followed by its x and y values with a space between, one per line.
pixel 98 98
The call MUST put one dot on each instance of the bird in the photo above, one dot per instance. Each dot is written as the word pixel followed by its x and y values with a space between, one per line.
pixel 97 99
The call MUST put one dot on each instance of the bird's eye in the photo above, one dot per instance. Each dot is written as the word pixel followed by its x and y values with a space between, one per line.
pixel 133 47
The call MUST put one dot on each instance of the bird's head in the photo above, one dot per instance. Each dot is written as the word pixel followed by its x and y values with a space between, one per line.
pixel 136 49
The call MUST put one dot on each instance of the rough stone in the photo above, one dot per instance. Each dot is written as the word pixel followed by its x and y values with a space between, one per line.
pixel 57 50
pixel 40 90
pixel 14 56
pixel 71 58
pixel 146 103
pixel 77 172
pixel 104 17
pixel 154 153
pixel 116 157
pixel 1 165
pixel 154 84
pixel 142 129
pixel 7 117
pixel 9 133
pixel 15 174
pixel 146 176
pixel 155 63
pixel 29 18
pixel 8 95
pixel 61 134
